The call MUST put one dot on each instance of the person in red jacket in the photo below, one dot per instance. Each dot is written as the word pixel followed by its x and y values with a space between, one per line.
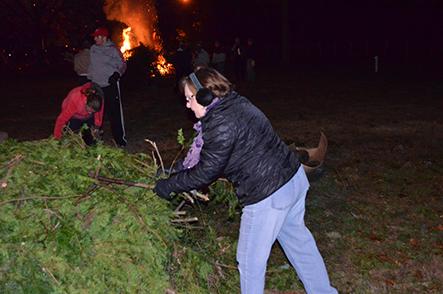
pixel 83 105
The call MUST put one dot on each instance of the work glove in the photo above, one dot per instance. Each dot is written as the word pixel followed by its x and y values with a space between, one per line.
pixel 114 78
pixel 96 133
pixel 162 190
pixel 95 129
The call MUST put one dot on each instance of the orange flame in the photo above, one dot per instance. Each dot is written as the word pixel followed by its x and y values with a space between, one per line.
pixel 126 44
pixel 163 67
pixel 141 19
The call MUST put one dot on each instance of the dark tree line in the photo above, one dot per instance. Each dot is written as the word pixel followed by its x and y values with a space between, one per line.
pixel 283 30
pixel 39 31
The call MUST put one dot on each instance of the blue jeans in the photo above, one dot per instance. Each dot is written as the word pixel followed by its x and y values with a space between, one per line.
pixel 280 217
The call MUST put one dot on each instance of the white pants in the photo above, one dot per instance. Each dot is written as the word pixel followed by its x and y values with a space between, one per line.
pixel 280 217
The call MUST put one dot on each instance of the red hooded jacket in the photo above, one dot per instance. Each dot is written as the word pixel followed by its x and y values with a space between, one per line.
pixel 74 107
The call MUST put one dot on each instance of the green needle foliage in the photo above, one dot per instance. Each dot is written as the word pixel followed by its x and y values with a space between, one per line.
pixel 62 231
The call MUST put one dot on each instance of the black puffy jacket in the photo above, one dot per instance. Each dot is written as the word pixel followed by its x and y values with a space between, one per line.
pixel 240 143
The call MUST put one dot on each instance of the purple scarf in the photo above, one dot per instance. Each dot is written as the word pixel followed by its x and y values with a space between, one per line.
pixel 193 156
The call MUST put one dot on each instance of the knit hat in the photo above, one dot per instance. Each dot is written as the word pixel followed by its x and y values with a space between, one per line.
pixel 101 31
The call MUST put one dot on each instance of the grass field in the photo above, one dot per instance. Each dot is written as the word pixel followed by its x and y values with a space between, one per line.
pixel 377 214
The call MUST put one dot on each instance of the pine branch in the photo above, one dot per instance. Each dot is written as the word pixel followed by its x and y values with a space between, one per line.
pixel 125 200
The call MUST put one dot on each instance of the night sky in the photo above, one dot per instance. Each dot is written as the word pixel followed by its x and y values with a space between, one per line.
pixel 403 32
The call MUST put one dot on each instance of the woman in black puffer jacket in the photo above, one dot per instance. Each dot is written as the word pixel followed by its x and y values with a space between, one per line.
pixel 236 140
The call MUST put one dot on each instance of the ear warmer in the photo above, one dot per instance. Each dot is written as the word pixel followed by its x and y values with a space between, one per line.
pixel 204 95
pixel 195 81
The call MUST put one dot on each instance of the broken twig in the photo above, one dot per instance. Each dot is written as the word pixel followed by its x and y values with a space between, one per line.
pixel 121 182
pixel 185 220
pixel 91 187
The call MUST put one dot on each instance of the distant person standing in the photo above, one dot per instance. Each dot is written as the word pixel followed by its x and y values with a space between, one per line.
pixel 250 56
pixel 107 65
pixel 219 58
pixel 182 62
pixel 81 64
pixel 238 58
pixel 201 56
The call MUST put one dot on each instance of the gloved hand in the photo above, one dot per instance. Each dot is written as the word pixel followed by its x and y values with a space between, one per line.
pixel 95 129
pixel 96 133
pixel 162 190
pixel 114 78
pixel 178 166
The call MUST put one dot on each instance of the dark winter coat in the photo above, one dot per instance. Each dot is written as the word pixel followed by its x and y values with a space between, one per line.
pixel 240 143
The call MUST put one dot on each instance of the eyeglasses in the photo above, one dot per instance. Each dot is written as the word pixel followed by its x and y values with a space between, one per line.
pixel 188 98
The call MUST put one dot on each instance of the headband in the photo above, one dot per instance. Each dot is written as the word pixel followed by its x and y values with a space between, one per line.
pixel 195 81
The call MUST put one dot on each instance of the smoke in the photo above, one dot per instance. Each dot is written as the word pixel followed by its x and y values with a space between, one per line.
pixel 140 15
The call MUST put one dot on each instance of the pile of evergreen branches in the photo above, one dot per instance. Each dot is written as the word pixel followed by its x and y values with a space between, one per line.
pixel 64 231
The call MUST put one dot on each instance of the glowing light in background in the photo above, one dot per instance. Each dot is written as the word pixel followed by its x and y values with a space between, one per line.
pixel 141 19
pixel 126 43
pixel 163 67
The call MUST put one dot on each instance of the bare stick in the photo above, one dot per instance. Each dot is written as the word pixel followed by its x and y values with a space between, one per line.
pixel 175 159
pixel 15 161
pixel 39 197
pixel 186 220
pixel 155 159
pixel 200 195
pixel 121 182
pixel 142 163
pixel 195 193
pixel 52 276
pixel 189 197
pixel 47 210
pixel 180 205
pixel 139 169
pixel 91 187
pixel 96 172
pixel 4 182
pixel 225 266
pixel 158 153
pixel 179 212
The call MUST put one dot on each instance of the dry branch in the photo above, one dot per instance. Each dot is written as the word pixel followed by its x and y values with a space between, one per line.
pixel 180 205
pixel 91 187
pixel 39 197
pixel 189 197
pixel 121 182
pixel 195 193
pixel 225 266
pixel 158 153
pixel 52 276
pixel 200 195
pixel 15 161
pixel 185 220
pixel 179 212
pixel 142 163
